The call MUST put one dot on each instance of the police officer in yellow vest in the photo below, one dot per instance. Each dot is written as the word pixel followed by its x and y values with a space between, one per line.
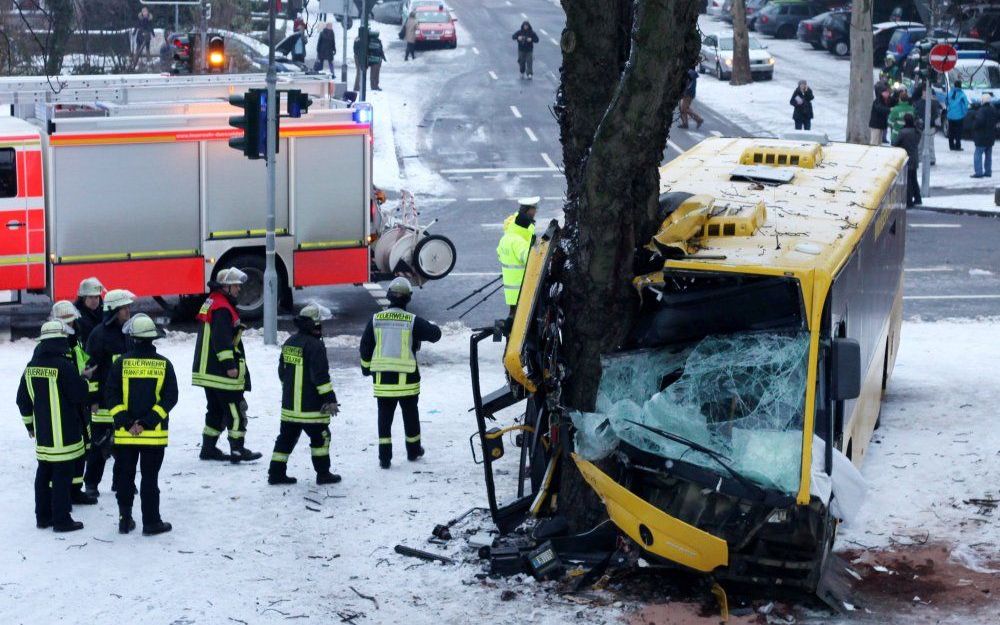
pixel 142 390
pixel 389 348
pixel 513 249
pixel 48 398
pixel 67 313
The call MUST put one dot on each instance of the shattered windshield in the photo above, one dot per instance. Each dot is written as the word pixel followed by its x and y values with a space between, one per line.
pixel 736 391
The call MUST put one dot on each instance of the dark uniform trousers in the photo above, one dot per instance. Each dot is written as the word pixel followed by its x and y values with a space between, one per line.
pixel 148 459
pixel 223 412
pixel 411 424
pixel 52 486
pixel 95 459
pixel 319 443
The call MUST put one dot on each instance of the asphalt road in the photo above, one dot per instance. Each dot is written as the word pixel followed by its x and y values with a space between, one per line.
pixel 952 264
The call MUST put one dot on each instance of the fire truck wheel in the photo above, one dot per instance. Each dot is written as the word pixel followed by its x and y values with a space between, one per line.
pixel 251 303
pixel 187 307
pixel 434 257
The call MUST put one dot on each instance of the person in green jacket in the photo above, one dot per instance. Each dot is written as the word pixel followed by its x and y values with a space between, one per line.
pixel 898 113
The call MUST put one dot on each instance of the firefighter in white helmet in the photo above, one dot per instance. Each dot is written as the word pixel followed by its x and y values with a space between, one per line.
pixel 389 353
pixel 106 345
pixel 220 368
pixel 65 312
pixel 88 304
pixel 512 252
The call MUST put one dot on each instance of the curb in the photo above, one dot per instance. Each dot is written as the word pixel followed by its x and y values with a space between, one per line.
pixel 959 211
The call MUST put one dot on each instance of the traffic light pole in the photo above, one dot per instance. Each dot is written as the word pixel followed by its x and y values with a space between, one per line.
pixel 202 47
pixel 343 56
pixel 925 160
pixel 270 273
pixel 364 51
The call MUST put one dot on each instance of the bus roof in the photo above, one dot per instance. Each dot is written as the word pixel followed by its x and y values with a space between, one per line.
pixel 812 222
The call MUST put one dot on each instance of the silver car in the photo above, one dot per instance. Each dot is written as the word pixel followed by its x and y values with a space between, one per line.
pixel 717 57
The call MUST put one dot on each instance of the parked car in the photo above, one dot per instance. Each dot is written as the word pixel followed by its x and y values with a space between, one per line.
pixel 717 57
pixel 837 33
pixel 754 7
pixel 888 37
pixel 715 8
pixel 781 18
pixel 978 76
pixel 436 26
pixel 974 49
pixel 726 12
pixel 903 40
pixel 389 12
pixel 811 30
pixel 412 5
pixel 981 22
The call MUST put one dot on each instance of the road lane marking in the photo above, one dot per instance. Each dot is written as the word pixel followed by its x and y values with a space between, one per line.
pixel 543 31
pixel 481 199
pixel 475 50
pixel 529 176
pixel 927 269
pixel 517 113
pixel 373 286
pixel 553 41
pixel 475 274
pixel 496 170
pixel 523 16
pixel 460 178
pixel 952 297
pixel 558 198
pixel 548 161
pixel 493 75
pixel 935 225
pixel 673 146
pixel 716 133
pixel 531 135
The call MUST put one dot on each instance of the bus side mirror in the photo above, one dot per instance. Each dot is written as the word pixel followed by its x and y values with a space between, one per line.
pixel 845 356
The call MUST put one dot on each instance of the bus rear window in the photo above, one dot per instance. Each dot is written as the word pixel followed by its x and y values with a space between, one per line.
pixel 8 173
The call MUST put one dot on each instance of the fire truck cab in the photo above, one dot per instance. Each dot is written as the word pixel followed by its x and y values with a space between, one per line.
pixel 131 179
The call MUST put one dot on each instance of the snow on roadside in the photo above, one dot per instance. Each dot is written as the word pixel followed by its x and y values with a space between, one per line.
pixel 974 203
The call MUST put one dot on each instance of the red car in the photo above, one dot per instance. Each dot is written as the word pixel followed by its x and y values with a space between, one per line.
pixel 436 25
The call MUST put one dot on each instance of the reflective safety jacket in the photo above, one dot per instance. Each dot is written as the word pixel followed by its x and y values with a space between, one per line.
pixel 143 389
pixel 219 347
pixel 389 348
pixel 106 345
pixel 512 252
pixel 48 398
pixel 305 379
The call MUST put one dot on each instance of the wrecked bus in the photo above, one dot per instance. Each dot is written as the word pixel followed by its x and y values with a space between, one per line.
pixel 729 424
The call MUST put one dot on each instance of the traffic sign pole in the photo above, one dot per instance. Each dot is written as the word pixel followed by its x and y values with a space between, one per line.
pixel 943 58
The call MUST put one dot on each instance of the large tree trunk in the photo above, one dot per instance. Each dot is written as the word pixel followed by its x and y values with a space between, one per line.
pixel 615 105
pixel 61 13
pixel 859 98
pixel 741 45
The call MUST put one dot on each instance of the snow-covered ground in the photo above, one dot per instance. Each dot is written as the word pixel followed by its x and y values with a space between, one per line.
pixel 763 109
pixel 243 551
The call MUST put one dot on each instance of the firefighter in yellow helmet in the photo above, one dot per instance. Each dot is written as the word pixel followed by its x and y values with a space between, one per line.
pixel 513 249
pixel 389 348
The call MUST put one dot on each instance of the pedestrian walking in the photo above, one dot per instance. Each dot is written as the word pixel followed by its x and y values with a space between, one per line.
pixel 220 367
pixel 687 99
pixel 47 398
pixel 376 55
pixel 106 344
pixel 908 138
pixel 326 48
pixel 898 113
pixel 984 135
pixel 512 251
pixel 142 387
pixel 389 349
pixel 410 36
pixel 307 398
pixel 66 312
pixel 878 120
pixel 299 45
pixel 802 108
pixel 143 32
pixel 526 40
pixel 89 304
pixel 957 108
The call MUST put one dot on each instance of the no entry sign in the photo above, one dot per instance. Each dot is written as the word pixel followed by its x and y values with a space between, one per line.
pixel 943 57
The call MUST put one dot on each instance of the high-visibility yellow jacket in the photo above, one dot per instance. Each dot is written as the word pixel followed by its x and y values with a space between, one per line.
pixel 512 252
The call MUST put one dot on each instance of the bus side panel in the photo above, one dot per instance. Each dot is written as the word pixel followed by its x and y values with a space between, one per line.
pixel 865 305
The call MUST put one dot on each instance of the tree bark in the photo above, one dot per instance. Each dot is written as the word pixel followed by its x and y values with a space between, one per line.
pixel 860 95
pixel 61 13
pixel 614 130
pixel 741 46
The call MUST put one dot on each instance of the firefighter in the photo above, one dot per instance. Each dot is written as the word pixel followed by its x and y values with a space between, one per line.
pixel 142 389
pixel 67 313
pixel 307 398
pixel 512 252
pixel 106 345
pixel 389 348
pixel 89 303
pixel 51 389
pixel 220 368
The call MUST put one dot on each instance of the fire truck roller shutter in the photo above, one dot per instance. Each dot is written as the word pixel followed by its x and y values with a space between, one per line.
pixel 124 203
pixel 331 209
pixel 237 192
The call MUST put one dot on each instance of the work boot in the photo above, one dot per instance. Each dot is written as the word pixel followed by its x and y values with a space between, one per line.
pixel 125 523
pixel 68 526
pixel 276 479
pixel 160 527
pixel 327 478
pixel 385 464
pixel 79 497
pixel 43 524
pixel 209 451
pixel 91 491
pixel 415 454
pixel 239 453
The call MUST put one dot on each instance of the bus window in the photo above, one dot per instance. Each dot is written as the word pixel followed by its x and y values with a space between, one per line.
pixel 8 173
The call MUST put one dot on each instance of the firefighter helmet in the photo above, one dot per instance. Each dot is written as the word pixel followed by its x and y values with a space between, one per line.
pixel 64 311
pixel 54 329
pixel 400 286
pixel 230 276
pixel 90 287
pixel 529 202
pixel 142 327
pixel 118 298
pixel 315 312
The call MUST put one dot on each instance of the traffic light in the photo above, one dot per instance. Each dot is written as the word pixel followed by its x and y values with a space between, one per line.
pixel 253 123
pixel 183 58
pixel 216 59
pixel 298 103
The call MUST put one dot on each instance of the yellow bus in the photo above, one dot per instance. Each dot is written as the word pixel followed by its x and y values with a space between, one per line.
pixel 768 322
